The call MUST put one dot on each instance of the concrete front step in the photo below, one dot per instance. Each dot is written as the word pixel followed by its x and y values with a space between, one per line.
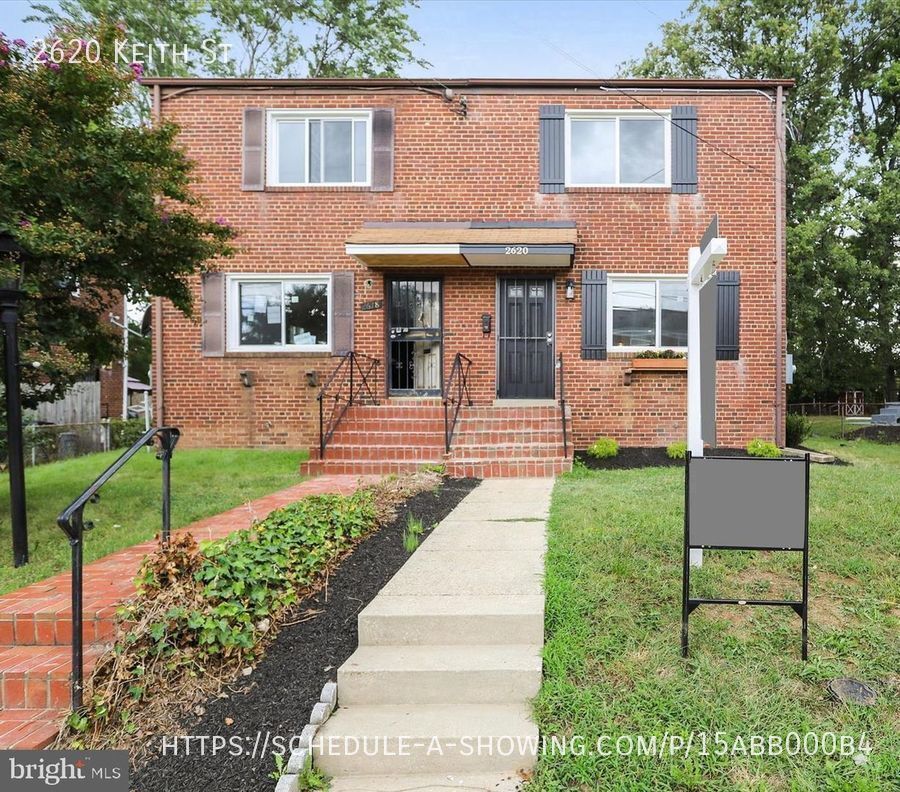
pixel 464 620
pixel 30 729
pixel 436 674
pixel 402 740
pixel 37 677
pixel 441 782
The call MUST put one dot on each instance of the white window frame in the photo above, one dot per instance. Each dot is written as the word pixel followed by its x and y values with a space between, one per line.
pixel 610 280
pixel 233 313
pixel 617 116
pixel 273 117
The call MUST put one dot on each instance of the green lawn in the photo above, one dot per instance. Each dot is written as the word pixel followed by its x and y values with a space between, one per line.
pixel 204 482
pixel 612 662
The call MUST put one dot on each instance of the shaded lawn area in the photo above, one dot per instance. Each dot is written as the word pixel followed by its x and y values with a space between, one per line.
pixel 204 482
pixel 612 659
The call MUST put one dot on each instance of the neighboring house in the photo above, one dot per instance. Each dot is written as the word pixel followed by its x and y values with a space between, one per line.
pixel 510 221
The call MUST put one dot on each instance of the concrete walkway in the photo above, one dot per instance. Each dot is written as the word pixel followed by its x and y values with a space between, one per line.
pixel 438 693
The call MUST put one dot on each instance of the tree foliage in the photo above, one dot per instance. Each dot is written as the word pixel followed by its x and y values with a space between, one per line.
pixel 102 206
pixel 843 232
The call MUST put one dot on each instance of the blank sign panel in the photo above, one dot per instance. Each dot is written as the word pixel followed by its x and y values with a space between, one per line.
pixel 747 503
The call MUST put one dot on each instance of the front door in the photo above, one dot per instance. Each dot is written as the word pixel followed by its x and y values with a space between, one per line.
pixel 414 336
pixel 525 338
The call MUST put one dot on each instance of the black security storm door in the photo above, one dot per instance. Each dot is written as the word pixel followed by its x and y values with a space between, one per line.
pixel 525 338
pixel 414 336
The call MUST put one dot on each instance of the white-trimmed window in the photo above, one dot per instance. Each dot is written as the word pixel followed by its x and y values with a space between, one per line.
pixel 286 313
pixel 319 148
pixel 647 313
pixel 618 149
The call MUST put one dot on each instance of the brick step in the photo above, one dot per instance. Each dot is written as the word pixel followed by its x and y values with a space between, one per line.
pixel 519 413
pixel 487 436
pixel 37 677
pixel 385 411
pixel 49 623
pixel 365 451
pixel 406 436
pixel 517 468
pixel 468 424
pixel 507 451
pixel 363 467
pixel 392 425
pixel 29 729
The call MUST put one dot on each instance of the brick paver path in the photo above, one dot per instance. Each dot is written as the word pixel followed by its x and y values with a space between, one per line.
pixel 36 621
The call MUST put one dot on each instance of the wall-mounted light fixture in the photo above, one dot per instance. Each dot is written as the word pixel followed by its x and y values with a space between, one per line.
pixel 570 289
pixel 312 379
pixel 486 324
pixel 247 379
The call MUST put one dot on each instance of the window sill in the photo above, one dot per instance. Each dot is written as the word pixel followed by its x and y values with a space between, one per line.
pixel 617 189
pixel 276 353
pixel 276 188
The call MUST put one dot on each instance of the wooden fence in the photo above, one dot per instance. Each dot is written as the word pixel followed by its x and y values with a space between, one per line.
pixel 80 405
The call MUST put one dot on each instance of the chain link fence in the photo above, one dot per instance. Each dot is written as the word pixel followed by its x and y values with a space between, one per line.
pixel 52 442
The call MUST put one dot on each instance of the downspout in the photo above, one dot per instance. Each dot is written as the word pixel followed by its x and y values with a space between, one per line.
pixel 157 309
pixel 780 275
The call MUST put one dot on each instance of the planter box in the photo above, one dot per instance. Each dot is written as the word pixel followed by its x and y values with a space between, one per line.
pixel 659 364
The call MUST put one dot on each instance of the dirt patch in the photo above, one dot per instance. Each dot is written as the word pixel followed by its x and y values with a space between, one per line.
pixel 276 699
pixel 878 434
pixel 645 456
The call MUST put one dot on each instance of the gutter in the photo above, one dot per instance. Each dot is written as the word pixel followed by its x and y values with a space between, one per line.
pixel 157 383
pixel 780 265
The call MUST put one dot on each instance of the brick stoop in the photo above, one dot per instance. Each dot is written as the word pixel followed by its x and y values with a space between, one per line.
pixel 36 621
pixel 489 442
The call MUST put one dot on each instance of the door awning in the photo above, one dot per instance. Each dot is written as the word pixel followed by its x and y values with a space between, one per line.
pixel 509 246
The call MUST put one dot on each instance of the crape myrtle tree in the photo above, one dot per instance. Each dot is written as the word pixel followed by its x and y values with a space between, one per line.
pixel 843 201
pixel 102 205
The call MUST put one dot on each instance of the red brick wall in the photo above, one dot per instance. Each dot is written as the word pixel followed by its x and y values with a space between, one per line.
pixel 483 167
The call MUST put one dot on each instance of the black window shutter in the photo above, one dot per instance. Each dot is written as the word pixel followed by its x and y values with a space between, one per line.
pixel 253 171
pixel 212 296
pixel 593 315
pixel 552 143
pixel 728 318
pixel 342 312
pixel 684 149
pixel 383 149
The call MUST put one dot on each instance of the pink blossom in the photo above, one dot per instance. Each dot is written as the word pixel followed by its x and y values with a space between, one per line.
pixel 2 63
pixel 53 66
pixel 223 222
pixel 24 223
pixel 19 42
pixel 42 56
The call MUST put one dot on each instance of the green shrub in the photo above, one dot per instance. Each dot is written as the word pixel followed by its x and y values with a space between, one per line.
pixel 763 448
pixel 123 434
pixel 676 450
pixel 603 448
pixel 797 429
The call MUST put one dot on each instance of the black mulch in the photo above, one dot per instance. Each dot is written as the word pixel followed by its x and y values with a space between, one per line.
pixel 880 434
pixel 300 660
pixel 642 456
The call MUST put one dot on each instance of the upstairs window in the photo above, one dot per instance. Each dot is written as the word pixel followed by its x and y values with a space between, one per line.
pixel 327 148
pixel 626 150
pixel 647 313
pixel 288 314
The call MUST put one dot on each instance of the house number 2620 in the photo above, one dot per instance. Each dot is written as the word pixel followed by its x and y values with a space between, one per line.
pixel 516 250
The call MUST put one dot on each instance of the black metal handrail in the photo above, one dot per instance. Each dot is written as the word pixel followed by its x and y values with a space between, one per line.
pixel 456 388
pixel 562 404
pixel 343 389
pixel 71 520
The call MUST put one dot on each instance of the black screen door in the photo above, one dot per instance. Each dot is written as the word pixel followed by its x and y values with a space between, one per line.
pixel 415 336
pixel 525 336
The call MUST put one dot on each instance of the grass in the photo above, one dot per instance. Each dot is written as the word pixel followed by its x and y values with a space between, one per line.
pixel 204 482
pixel 612 661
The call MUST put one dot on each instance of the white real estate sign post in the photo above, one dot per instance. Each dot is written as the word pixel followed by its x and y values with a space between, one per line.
pixel 701 356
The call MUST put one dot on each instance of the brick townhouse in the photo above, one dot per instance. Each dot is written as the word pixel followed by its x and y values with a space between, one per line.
pixel 516 237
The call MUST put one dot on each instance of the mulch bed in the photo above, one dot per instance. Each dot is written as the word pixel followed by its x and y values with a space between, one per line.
pixel 879 434
pixel 278 696
pixel 645 456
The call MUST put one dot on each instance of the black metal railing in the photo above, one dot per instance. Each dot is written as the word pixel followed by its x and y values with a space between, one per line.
pixel 71 520
pixel 562 404
pixel 456 389
pixel 353 381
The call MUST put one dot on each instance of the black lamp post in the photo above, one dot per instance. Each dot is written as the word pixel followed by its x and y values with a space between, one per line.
pixel 10 296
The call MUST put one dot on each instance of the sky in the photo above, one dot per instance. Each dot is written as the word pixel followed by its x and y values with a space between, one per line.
pixel 501 38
